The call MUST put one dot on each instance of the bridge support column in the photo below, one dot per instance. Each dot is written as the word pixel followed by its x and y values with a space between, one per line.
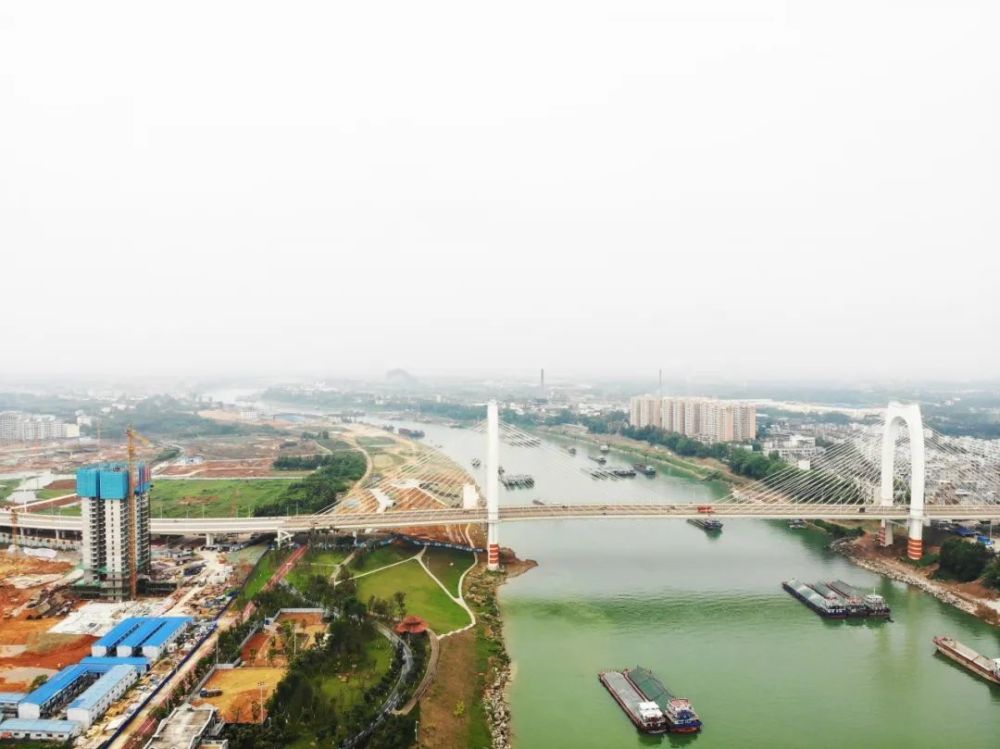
pixel 209 540
pixel 885 534
pixel 283 537
pixel 492 486
pixel 915 540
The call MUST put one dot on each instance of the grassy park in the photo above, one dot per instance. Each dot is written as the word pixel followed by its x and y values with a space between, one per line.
pixel 213 497
pixel 448 566
pixel 424 596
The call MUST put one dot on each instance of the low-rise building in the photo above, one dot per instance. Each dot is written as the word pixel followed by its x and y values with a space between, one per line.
pixel 39 730
pixel 100 695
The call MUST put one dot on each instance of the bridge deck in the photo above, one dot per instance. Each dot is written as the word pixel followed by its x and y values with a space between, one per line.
pixel 510 513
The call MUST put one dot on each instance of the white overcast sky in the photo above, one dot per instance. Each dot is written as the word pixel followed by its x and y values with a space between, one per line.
pixel 740 189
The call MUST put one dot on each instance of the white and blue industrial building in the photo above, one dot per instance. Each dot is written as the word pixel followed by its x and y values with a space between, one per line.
pixel 87 689
pixel 141 635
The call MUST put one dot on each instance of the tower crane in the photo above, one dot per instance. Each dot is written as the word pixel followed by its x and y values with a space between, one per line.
pixel 133 480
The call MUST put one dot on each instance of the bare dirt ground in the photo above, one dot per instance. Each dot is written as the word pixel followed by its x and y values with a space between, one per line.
pixel 26 644
pixel 442 724
pixel 240 689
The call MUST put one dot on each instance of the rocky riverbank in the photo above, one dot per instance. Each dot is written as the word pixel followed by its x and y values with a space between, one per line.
pixel 858 551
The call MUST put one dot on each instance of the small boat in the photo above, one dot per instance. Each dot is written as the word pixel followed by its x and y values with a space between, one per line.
pixel 598 459
pixel 605 448
pixel 796 524
pixel 476 462
pixel 645 469
pixel 571 450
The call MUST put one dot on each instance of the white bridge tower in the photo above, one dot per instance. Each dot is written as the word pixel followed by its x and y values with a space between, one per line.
pixel 895 415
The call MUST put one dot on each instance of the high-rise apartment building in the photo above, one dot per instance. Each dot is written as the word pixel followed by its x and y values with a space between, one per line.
pixel 705 418
pixel 645 411
pixel 104 492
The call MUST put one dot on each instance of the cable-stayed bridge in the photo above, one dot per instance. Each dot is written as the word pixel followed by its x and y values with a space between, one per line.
pixel 898 472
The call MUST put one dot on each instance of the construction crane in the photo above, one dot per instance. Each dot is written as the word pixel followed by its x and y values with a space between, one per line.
pixel 133 515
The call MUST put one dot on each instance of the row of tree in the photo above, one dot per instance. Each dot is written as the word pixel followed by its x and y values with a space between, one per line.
pixel 319 489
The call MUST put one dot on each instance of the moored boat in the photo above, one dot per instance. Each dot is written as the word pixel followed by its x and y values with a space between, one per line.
pixel 980 665
pixel 680 715
pixel 644 468
pixel 708 525
pixel 645 714
pixel 827 608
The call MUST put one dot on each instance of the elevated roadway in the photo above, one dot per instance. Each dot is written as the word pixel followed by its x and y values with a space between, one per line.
pixel 509 513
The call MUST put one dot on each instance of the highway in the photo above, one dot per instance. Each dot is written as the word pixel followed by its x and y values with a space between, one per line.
pixel 509 513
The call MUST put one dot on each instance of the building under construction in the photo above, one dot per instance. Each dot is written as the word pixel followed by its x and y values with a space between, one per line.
pixel 115 529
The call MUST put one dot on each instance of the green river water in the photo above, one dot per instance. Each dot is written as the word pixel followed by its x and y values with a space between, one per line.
pixel 708 616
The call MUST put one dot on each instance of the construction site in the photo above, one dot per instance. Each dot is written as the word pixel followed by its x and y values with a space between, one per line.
pixel 61 593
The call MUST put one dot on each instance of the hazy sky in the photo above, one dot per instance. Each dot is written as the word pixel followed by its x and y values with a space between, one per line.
pixel 739 189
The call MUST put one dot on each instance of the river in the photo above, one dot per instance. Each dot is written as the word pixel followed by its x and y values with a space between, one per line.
pixel 707 614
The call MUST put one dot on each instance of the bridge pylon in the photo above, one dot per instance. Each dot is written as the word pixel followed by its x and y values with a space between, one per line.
pixel 909 414
pixel 492 486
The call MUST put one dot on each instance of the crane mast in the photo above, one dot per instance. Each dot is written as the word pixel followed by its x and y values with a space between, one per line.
pixel 133 515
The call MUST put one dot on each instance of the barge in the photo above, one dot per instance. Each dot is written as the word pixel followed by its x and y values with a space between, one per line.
pixel 708 525
pixel 645 469
pixel 598 459
pixel 680 716
pixel 866 604
pixel 825 607
pixel 963 655
pixel 517 480
pixel 645 714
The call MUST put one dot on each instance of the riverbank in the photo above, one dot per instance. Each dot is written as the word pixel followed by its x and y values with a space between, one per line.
pixel 971 598
pixel 703 469
pixel 467 702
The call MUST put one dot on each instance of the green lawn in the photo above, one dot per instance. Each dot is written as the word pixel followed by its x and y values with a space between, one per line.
pixel 7 487
pixel 315 562
pixel 376 441
pixel 267 567
pixel 448 565
pixel 69 510
pixel 52 493
pixel 424 597
pixel 381 557
pixel 212 497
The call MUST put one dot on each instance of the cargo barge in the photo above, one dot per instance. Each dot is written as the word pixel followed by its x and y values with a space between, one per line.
pixel 645 714
pixel 827 608
pixel 707 524
pixel 680 716
pixel 860 603
pixel 645 469
pixel 963 655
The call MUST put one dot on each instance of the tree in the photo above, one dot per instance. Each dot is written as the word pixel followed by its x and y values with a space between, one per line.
pixel 963 560
pixel 399 598
pixel 991 575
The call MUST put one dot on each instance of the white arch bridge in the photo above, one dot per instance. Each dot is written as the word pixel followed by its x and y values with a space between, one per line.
pixel 829 493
